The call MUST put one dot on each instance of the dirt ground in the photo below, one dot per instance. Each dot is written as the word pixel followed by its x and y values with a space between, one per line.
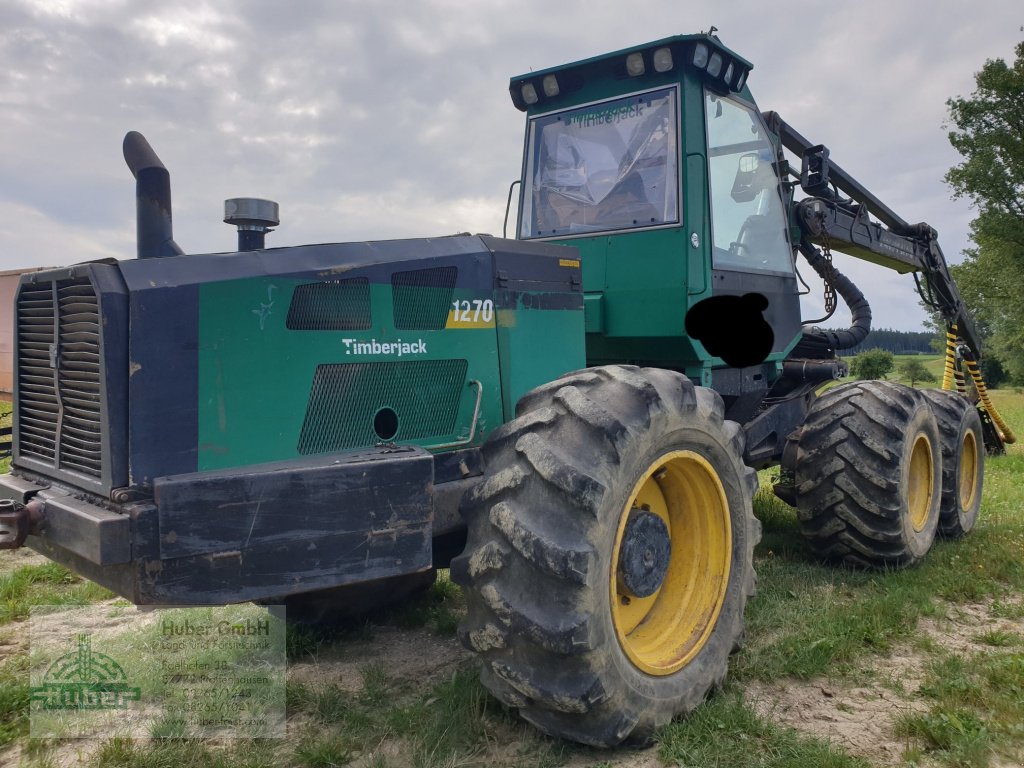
pixel 859 717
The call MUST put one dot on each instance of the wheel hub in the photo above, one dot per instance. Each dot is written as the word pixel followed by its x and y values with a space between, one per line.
pixel 644 555
pixel 674 545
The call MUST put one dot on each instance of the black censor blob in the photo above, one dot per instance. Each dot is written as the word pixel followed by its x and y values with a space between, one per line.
pixel 732 328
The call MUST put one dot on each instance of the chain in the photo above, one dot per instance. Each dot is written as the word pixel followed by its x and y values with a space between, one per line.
pixel 830 291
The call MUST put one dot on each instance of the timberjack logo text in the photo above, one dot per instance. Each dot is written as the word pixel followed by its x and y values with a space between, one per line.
pixel 374 347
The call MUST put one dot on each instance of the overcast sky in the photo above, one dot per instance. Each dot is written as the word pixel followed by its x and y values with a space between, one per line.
pixel 376 120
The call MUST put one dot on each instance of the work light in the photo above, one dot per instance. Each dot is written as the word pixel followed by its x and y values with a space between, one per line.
pixel 715 64
pixel 700 56
pixel 663 60
pixel 635 64
pixel 550 86
pixel 529 94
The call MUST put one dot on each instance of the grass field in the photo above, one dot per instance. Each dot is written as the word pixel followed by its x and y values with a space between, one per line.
pixel 840 668
pixel 934 364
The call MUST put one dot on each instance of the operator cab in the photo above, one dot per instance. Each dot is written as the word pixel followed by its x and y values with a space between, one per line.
pixel 656 164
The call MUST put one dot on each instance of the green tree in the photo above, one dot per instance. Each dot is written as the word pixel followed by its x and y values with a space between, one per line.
pixel 988 132
pixel 913 370
pixel 873 364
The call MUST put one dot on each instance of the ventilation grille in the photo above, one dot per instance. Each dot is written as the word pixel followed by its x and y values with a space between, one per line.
pixel 38 409
pixel 60 416
pixel 342 305
pixel 422 298
pixel 347 398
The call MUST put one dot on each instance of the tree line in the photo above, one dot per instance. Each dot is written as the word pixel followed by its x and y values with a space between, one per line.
pixel 898 342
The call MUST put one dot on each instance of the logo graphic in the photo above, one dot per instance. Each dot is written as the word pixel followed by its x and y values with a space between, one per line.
pixel 266 308
pixel 84 680
pixel 394 348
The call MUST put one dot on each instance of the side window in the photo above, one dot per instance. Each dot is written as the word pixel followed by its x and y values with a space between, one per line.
pixel 748 222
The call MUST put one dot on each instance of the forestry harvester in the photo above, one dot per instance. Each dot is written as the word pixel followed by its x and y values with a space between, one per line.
pixel 570 419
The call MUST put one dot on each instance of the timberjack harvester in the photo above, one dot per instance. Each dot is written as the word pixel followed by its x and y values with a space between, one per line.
pixel 570 420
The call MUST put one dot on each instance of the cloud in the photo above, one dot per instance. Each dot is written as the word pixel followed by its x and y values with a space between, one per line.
pixel 392 119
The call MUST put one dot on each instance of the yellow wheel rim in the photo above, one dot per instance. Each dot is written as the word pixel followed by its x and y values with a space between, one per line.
pixel 968 480
pixel 663 632
pixel 919 498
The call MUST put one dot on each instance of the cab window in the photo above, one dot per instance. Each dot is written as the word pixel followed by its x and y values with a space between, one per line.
pixel 603 167
pixel 748 222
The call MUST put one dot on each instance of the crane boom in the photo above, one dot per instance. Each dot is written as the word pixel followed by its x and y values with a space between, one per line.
pixel 891 242
pixel 826 218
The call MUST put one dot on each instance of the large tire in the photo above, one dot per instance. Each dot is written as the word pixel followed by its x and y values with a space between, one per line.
pixel 963 461
pixel 560 634
pixel 868 475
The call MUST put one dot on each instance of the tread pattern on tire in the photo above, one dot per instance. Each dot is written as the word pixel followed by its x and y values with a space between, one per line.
pixel 530 567
pixel 954 413
pixel 848 475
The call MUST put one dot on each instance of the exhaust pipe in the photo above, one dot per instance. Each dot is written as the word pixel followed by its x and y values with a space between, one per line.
pixel 155 236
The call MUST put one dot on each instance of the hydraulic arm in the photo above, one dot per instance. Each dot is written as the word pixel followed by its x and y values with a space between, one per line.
pixel 827 218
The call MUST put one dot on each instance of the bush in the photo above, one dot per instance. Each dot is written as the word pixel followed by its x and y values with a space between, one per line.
pixel 914 371
pixel 873 364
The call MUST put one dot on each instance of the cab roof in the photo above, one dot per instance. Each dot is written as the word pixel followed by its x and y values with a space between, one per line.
pixel 724 69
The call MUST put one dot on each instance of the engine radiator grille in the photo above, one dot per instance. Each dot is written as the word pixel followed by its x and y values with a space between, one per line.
pixel 350 404
pixel 60 403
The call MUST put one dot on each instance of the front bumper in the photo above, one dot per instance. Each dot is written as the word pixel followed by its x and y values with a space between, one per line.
pixel 261 533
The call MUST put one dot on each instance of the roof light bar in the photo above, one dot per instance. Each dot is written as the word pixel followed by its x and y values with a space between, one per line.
pixel 721 70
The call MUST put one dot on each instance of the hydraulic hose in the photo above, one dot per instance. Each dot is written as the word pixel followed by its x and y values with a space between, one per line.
pixel 860 310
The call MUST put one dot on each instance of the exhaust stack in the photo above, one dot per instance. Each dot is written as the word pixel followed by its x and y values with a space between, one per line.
pixel 155 236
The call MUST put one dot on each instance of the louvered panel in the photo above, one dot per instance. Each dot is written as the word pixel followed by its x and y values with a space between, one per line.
pixel 38 409
pixel 60 390
pixel 79 378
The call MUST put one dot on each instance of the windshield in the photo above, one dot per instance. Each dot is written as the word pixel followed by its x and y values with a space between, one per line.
pixel 607 166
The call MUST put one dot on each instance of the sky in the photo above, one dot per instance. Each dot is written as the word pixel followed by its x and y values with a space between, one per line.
pixel 386 119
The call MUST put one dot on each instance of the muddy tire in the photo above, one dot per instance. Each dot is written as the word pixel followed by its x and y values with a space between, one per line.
pixel 963 461
pixel 868 475
pixel 609 553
